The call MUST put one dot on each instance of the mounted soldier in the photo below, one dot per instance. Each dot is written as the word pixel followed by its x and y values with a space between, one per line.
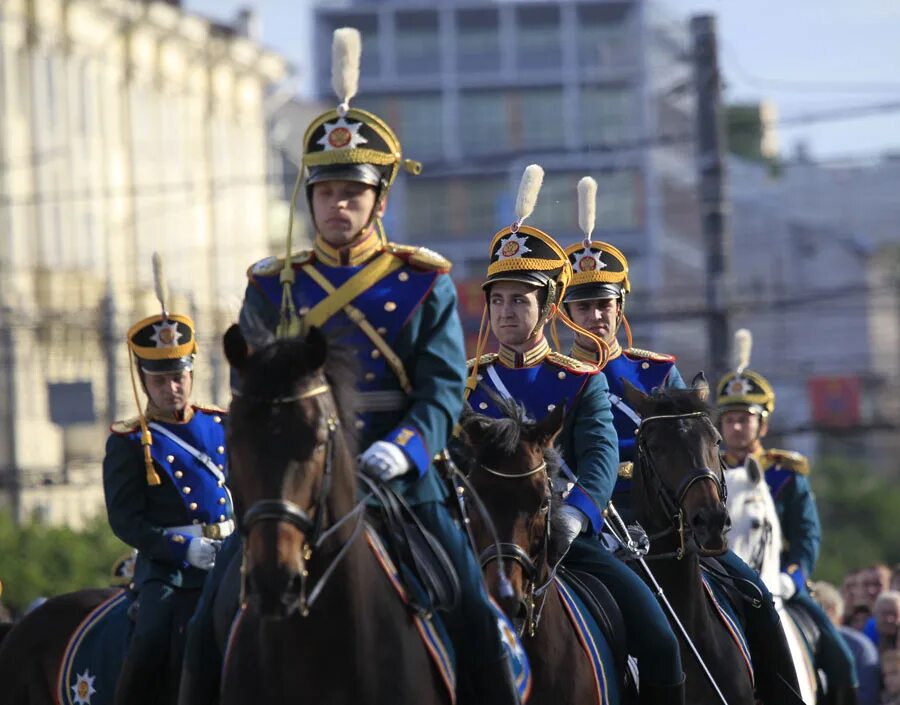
pixel 595 300
pixel 746 401
pixel 164 482
pixel 396 306
pixel 527 279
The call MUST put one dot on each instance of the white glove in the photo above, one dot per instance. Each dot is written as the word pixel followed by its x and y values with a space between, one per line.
pixel 573 522
pixel 385 461
pixel 201 552
pixel 788 586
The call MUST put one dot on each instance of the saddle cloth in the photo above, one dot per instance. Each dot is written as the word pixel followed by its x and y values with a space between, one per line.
pixel 594 643
pixel 93 658
pixel 724 608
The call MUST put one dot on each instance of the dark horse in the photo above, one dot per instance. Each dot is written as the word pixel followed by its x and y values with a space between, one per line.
pixel 32 651
pixel 321 621
pixel 512 468
pixel 678 495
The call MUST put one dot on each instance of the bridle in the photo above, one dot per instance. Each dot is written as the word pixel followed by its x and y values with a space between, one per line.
pixel 670 500
pixel 313 528
pixel 533 597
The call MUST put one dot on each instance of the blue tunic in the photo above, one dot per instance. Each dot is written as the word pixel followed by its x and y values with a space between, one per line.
pixel 588 438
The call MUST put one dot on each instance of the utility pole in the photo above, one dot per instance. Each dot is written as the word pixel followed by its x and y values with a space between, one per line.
pixel 713 192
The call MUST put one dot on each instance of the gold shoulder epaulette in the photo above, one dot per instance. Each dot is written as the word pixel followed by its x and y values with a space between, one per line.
pixel 485 359
pixel 210 409
pixel 788 460
pixel 570 363
pixel 126 426
pixel 649 355
pixel 268 266
pixel 421 257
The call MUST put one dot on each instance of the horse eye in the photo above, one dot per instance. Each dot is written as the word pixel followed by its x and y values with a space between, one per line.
pixel 756 524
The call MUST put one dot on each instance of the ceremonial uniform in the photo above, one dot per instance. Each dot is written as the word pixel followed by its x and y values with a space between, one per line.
pixel 164 485
pixel 786 475
pixel 396 307
pixel 542 380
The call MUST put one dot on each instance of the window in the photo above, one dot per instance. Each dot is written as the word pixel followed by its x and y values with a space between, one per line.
pixel 484 124
pixel 557 210
pixel 478 45
pixel 604 39
pixel 538 113
pixel 428 210
pixel 418 43
pixel 608 115
pixel 619 200
pixel 420 125
pixel 538 41
pixel 484 203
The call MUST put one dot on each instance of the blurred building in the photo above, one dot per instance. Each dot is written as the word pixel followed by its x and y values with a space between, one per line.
pixel 478 90
pixel 816 266
pixel 126 127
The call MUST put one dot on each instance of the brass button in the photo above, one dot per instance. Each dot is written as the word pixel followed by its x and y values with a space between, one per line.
pixel 480 377
pixel 221 449
pixel 390 306
pixel 186 490
pixel 482 405
pixel 403 276
pixel 221 517
pixel 222 500
pixel 370 376
pixel 178 538
pixel 220 484
pixel 217 419
pixel 170 458
pixel 645 365
pixel 303 310
pixel 359 423
pixel 221 467
pixel 376 354
pixel 193 506
pixel 561 375
pixel 179 474
pixel 551 407
pixel 381 330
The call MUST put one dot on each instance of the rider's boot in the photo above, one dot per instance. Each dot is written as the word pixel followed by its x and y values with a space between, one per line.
pixel 662 694
pixel 492 683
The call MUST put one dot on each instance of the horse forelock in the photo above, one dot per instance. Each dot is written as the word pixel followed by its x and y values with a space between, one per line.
pixel 666 401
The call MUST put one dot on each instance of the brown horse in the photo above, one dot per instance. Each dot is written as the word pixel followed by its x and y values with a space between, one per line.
pixel 321 621
pixel 32 652
pixel 678 496
pixel 511 469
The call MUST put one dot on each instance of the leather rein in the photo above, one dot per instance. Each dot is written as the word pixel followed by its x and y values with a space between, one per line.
pixel 671 501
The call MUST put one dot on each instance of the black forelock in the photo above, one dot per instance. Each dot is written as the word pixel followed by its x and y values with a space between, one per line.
pixel 666 401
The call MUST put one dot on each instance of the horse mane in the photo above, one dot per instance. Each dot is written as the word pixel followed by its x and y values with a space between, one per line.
pixel 275 370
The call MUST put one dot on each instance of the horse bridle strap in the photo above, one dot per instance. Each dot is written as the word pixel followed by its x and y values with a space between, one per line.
pixel 277 510
pixel 299 396
pixel 509 551
pixel 514 476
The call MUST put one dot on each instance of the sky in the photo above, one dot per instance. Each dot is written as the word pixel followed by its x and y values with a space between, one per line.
pixel 809 57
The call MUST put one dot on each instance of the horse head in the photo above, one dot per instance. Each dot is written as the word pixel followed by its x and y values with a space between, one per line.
pixel 290 459
pixel 512 468
pixel 679 485
pixel 755 533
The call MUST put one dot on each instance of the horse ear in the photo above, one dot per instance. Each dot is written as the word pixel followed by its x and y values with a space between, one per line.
pixel 317 348
pixel 700 386
pixel 472 427
pixel 545 432
pixel 754 472
pixel 236 350
pixel 636 398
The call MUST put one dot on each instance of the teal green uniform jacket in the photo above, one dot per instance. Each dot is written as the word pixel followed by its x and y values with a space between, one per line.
pixel 415 309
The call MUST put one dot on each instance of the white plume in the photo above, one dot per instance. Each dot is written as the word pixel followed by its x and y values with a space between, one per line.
pixel 529 188
pixel 587 205
pixel 159 283
pixel 346 50
pixel 743 345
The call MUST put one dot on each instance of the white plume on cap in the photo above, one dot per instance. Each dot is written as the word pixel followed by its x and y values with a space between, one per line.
pixel 587 205
pixel 346 50
pixel 159 283
pixel 529 188
pixel 743 345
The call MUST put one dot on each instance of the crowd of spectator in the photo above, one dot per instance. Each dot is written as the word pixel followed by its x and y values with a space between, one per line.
pixel 866 611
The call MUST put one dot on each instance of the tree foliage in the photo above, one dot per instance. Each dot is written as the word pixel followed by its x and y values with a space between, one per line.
pixel 858 510
pixel 41 560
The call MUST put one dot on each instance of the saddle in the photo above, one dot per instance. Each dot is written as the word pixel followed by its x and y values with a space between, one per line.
pixel 805 623
pixel 428 574
pixel 602 607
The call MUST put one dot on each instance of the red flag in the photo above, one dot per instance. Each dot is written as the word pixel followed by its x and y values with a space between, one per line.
pixel 835 401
